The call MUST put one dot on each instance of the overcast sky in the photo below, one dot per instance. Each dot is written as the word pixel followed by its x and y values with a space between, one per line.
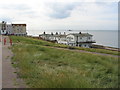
pixel 61 14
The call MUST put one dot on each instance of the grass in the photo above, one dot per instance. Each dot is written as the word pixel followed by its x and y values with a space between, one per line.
pixel 98 50
pixel 44 67
pixel 29 40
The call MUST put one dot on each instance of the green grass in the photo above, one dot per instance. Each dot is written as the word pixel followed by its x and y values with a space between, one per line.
pixel 98 50
pixel 44 67
pixel 29 40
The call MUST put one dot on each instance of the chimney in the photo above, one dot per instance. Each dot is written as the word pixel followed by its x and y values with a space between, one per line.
pixel 51 33
pixel 56 33
pixel 79 32
pixel 43 32
pixel 3 22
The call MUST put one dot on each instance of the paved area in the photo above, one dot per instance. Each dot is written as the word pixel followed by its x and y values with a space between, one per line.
pixel 0 62
pixel 9 76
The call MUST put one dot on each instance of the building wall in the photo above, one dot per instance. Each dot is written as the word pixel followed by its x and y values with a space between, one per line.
pixel 71 40
pixel 62 40
pixel 9 29
pixel 0 28
pixel 16 29
pixel 84 38
pixel 46 37
pixel 3 28
pixel 19 29
pixel 52 38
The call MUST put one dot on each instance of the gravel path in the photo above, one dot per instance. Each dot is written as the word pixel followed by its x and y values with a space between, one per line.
pixel 9 76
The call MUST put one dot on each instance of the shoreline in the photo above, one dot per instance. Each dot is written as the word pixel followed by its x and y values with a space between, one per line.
pixel 105 47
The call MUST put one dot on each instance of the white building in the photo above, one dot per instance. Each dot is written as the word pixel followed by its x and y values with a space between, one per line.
pixel 19 29
pixel 50 37
pixel 80 39
pixel 3 27
pixel 72 39
pixel 45 36
pixel 62 39
pixel 13 29
pixel 9 29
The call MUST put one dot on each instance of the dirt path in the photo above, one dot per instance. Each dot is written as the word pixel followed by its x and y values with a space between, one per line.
pixel 9 76
pixel 87 52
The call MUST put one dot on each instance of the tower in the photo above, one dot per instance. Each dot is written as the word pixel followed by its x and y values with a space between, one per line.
pixel 3 27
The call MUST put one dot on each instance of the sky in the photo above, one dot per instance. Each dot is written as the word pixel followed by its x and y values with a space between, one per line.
pixel 61 14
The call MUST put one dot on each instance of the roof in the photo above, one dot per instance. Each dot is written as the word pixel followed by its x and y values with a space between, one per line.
pixel 60 35
pixel 45 34
pixel 82 34
pixel 19 24
pixel 53 35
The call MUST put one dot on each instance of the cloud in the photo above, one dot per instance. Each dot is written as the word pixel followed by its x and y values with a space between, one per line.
pixel 61 10
pixel 6 19
pixel 46 15
pixel 14 6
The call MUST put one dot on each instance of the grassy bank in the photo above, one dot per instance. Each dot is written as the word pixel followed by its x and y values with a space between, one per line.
pixel 29 40
pixel 44 67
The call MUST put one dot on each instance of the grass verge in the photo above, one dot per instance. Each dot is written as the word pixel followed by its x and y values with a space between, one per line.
pixel 44 67
pixel 29 40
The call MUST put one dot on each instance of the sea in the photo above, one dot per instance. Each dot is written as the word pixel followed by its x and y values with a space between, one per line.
pixel 102 37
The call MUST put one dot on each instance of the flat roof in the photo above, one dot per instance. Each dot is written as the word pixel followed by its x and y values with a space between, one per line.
pixel 19 24
pixel 82 34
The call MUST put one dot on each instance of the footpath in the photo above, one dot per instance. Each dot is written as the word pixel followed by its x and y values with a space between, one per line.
pixel 9 76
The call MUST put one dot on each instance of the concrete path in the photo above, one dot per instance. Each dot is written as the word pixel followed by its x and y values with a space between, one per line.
pixel 9 76
pixel 0 62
